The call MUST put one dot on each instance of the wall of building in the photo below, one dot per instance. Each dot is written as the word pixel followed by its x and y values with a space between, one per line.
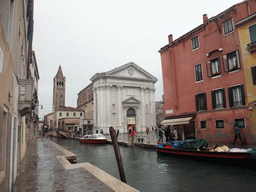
pixel 249 61
pixel 180 85
pixel 85 102
pixel 15 56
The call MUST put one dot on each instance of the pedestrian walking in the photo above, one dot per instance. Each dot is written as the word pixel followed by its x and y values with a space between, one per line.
pixel 237 134
pixel 175 133
pixel 130 130
pixel 147 130
pixel 161 135
pixel 167 133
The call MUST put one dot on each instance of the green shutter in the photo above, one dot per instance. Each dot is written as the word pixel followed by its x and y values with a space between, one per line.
pixel 253 69
pixel 213 100
pixel 197 104
pixel 205 101
pixel 242 93
pixel 252 30
pixel 224 98
pixel 230 97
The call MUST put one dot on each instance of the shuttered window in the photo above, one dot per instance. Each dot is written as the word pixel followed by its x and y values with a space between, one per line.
pixel 253 69
pixel 233 61
pixel 236 96
pixel 201 102
pixel 218 99
pixel 213 67
pixel 252 30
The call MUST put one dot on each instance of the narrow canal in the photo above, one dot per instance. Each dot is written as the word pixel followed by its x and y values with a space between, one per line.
pixel 147 171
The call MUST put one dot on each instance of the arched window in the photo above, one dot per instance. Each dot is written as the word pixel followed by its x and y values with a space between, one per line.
pixel 130 112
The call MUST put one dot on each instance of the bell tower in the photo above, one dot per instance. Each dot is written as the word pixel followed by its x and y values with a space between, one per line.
pixel 59 87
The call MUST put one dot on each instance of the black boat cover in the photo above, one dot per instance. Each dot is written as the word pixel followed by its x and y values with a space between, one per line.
pixel 253 153
pixel 192 144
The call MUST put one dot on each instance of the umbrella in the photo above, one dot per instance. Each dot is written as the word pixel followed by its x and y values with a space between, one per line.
pixel 233 123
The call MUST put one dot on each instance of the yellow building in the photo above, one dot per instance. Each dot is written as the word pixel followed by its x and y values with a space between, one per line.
pixel 247 36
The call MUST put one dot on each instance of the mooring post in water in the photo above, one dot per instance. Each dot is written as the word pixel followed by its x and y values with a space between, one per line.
pixel 118 154
pixel 132 137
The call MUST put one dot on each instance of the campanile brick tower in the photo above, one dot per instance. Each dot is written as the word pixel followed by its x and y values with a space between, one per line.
pixel 59 87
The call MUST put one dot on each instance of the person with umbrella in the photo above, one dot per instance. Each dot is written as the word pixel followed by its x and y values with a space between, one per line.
pixel 237 134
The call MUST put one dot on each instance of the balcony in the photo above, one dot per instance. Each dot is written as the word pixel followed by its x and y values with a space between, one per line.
pixel 251 47
pixel 25 96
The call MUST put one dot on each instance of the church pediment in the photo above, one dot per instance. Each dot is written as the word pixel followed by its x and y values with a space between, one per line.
pixel 129 71
pixel 131 100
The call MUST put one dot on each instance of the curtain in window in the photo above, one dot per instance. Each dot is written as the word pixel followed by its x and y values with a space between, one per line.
pixel 230 26
pixel 232 61
pixel 219 99
pixel 237 96
pixel 215 67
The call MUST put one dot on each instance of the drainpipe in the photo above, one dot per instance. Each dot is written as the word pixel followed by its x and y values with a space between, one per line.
pixel 248 7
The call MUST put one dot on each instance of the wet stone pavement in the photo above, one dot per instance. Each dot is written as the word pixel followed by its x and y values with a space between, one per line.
pixel 41 171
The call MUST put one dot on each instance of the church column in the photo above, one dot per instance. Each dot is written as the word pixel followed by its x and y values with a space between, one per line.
pixel 119 107
pixel 101 108
pixel 108 109
pixel 105 108
pixel 152 107
pixel 95 116
pixel 143 113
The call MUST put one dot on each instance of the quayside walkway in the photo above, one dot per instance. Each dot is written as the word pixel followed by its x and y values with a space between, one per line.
pixel 46 168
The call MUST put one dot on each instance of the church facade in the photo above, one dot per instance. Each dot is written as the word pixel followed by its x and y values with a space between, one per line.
pixel 123 97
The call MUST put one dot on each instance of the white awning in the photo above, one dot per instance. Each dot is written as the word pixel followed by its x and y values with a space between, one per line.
pixel 179 121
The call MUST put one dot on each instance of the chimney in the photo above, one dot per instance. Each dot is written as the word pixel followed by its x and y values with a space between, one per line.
pixel 205 18
pixel 170 39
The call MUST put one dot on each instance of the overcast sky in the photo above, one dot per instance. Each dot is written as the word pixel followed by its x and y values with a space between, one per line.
pixel 92 36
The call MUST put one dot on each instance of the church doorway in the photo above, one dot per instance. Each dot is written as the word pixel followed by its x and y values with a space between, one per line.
pixel 131 119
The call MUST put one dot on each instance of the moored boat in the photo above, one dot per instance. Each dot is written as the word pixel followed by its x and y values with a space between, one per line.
pixel 198 149
pixel 93 139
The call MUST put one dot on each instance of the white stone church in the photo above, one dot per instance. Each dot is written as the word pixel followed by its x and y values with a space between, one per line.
pixel 124 96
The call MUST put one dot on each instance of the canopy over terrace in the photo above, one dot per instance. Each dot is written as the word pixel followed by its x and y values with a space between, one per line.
pixel 185 128
pixel 178 121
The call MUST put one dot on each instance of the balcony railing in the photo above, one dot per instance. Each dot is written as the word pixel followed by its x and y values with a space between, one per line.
pixel 251 47
pixel 25 96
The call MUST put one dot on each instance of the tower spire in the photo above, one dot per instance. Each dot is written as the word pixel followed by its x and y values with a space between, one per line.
pixel 59 89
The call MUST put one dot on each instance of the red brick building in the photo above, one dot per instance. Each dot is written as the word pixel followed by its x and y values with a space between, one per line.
pixel 203 77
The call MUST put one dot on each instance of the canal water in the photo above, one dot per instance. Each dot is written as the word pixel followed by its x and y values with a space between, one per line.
pixel 147 171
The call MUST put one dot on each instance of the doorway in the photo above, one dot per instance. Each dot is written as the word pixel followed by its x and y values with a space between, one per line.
pixel 131 119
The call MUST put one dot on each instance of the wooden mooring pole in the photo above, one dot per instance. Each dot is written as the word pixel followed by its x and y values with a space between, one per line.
pixel 132 137
pixel 118 154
